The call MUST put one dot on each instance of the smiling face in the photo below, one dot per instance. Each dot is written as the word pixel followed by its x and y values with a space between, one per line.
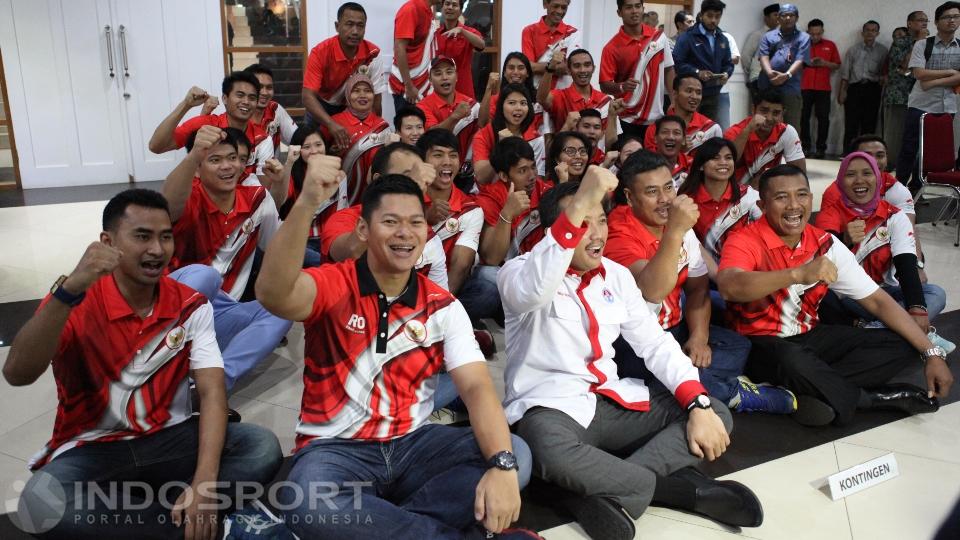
pixel 574 154
pixel 719 168
pixel 241 101
pixel 411 128
pixel 444 79
pixel 556 11
pixel 395 234
pixel 877 150
pixel 588 254
pixel 631 13
pixel 786 204
pixel 581 69
pixel 591 127
pixel 266 90
pixel 650 195
pixel 145 238
pixel 447 163
pixel 312 144
pixel 515 72
pixel 361 97
pixel 669 140
pixel 220 170
pixel 515 109
pixel 628 150
pixel 689 95
pixel 522 175
pixel 859 183
pixel 451 10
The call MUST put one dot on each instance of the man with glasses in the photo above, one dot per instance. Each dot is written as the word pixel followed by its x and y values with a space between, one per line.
pixel 860 84
pixel 935 62
pixel 899 83
pixel 783 52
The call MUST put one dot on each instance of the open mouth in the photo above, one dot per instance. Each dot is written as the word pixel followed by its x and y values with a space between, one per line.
pixel 670 145
pixel 517 117
pixel 227 177
pixel 244 109
pixel 445 86
pixel 663 212
pixel 445 174
pixel 153 268
pixel 402 250
pixel 793 220
pixel 595 251
pixel 861 191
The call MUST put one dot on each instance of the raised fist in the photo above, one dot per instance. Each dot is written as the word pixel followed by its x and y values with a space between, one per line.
pixel 684 214
pixel 195 96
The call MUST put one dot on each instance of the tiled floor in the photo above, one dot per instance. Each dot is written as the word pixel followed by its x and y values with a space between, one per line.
pixel 42 242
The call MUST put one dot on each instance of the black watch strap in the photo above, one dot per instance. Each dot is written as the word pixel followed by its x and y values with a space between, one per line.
pixel 65 296
pixel 505 461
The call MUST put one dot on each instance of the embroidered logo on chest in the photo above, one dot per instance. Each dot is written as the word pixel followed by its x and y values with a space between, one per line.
pixel 607 296
pixel 247 226
pixel 883 234
pixel 176 338
pixel 415 331
pixel 534 217
pixel 357 324
pixel 452 225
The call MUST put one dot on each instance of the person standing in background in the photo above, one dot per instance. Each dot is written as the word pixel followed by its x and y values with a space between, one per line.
pixel 704 50
pixel 723 110
pixel 751 62
pixel 682 21
pixel 899 83
pixel 861 81
pixel 782 53
pixel 815 89
pixel 459 41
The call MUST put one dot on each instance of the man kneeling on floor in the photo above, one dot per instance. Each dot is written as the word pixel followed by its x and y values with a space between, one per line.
pixel 604 438
pixel 775 272
pixel 377 335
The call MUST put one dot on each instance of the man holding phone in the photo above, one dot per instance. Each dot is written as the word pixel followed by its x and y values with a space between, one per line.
pixel 705 51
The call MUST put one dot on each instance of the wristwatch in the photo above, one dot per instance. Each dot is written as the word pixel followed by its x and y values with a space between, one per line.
pixel 699 402
pixel 936 350
pixel 505 461
pixel 920 264
pixel 63 295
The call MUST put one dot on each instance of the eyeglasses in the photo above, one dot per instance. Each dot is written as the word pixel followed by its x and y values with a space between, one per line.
pixel 950 18
pixel 573 151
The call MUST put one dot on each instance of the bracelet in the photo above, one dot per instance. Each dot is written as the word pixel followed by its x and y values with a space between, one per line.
pixel 917 309
pixel 503 219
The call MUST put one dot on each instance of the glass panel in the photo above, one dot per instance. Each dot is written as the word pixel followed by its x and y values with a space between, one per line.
pixel 263 23
pixel 287 73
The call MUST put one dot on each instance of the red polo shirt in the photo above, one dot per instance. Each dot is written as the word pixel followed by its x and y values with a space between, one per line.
pixel 698 130
pixel 436 109
pixel 782 143
pixel 618 62
pixel 485 142
pixel 538 37
pixel 328 68
pixel 180 135
pixel 358 172
pixel 464 225
pixel 461 51
pixel 569 100
pixel 526 227
pixel 412 23
pixel 720 218
pixel 818 78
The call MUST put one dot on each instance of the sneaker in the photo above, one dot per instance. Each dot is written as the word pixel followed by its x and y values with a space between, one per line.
pixel 764 398
pixel 255 522
pixel 939 341
pixel 485 340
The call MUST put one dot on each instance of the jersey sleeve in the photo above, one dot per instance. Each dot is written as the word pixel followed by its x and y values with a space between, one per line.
pixel 431 118
pixel 459 346
pixel 713 131
pixel 434 255
pixel 405 23
pixel 483 144
pixel 667 53
pixel 313 75
pixel 831 219
pixel 608 65
pixel 378 74
pixel 526 44
pixel 262 153
pixel 287 126
pixel 792 147
pixel 622 249
pixel 204 351
pixel 471 226
pixel 491 208
pixel 183 131
pixel 696 266
pixel 902 239
pixel 330 288
pixel 852 281
pixel 340 223
pixel 899 195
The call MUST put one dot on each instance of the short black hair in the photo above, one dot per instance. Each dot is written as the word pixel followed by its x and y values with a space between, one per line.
pixel 229 139
pixel 443 138
pixel 712 5
pixel 815 22
pixel 639 162
pixel 382 160
pixel 579 51
pixel 590 113
pixel 117 206
pixel 259 69
pixel 780 170
pixel 914 15
pixel 685 75
pixel 624 139
pixel 240 137
pixel 771 9
pixel 509 152
pixel 408 111
pixel 351 6
pixel 679 17
pixel 549 205
pixel 769 95
pixel 556 148
pixel 668 119
pixel 868 23
pixel 390 184
pixel 863 139
pixel 944 7
pixel 239 77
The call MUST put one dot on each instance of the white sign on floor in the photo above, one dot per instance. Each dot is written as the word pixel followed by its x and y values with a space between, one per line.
pixel 863 476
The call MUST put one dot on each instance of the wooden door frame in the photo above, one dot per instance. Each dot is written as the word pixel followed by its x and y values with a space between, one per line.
pixel 9 123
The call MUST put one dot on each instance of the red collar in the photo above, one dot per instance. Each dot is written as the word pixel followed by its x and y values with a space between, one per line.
pixel 117 307
pixel 703 196
pixel 240 204
pixel 773 241
pixel 543 28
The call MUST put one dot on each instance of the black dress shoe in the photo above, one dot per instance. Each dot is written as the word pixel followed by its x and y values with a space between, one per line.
pixel 233 416
pixel 813 412
pixel 726 501
pixel 602 519
pixel 902 397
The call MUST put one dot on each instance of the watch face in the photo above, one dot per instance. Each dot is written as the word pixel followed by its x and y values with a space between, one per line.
pixel 506 460
pixel 703 401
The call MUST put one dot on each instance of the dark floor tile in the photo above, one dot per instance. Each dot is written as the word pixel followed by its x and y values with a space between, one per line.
pixel 13 315
pixel 33 197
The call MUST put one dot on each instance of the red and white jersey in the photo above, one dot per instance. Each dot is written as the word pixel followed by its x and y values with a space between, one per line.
pixel 781 146
pixel 560 329
pixel 699 129
pixel 793 310
pixel 367 136
pixel 328 69
pixel 227 242
pixel 458 48
pixel 643 59
pixel 538 42
pixel 262 144
pixel 278 125
pixel 436 110
pixel 432 262
pixel 526 227
pixel 463 227
pixel 415 22
pixel 371 363
pixel 568 100
pixel 485 141
pixel 630 241
pixel 720 218
pixel 681 169
pixel 891 190
pixel 889 233
pixel 120 377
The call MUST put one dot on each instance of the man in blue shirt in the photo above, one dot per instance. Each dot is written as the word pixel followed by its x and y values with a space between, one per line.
pixel 783 52
pixel 705 51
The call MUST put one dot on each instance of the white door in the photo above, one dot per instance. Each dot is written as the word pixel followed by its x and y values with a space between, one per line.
pixel 65 104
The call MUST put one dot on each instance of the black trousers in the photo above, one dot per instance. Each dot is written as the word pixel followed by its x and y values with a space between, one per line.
pixel 861 110
pixel 818 103
pixel 831 363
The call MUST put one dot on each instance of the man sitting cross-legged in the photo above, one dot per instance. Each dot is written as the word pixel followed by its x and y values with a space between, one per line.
pixel 377 334
pixel 123 341
pixel 773 275
pixel 606 439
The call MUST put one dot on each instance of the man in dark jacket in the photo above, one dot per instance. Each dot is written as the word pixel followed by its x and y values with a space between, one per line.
pixel 704 50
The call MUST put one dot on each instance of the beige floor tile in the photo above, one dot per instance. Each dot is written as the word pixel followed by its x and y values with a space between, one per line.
pixel 13 476
pixel 18 284
pixel 19 405
pixel 910 506
pixel 649 526
pixel 23 441
pixel 280 420
pixel 932 436
pixel 277 380
pixel 792 507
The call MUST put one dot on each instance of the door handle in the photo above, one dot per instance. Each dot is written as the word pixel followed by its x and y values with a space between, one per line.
pixel 123 50
pixel 109 34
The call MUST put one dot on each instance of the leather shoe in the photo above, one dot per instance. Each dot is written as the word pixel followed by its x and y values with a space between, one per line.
pixel 726 501
pixel 602 519
pixel 902 397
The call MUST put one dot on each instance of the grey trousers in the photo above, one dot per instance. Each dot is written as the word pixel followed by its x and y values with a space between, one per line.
pixel 620 454
pixel 894 117
pixel 793 110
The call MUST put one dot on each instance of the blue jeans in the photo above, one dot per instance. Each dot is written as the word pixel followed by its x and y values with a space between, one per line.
pixel 729 354
pixel 445 393
pixel 311 255
pixel 246 332
pixel 420 485
pixel 934 296
pixel 479 294
pixel 723 111
pixel 250 454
